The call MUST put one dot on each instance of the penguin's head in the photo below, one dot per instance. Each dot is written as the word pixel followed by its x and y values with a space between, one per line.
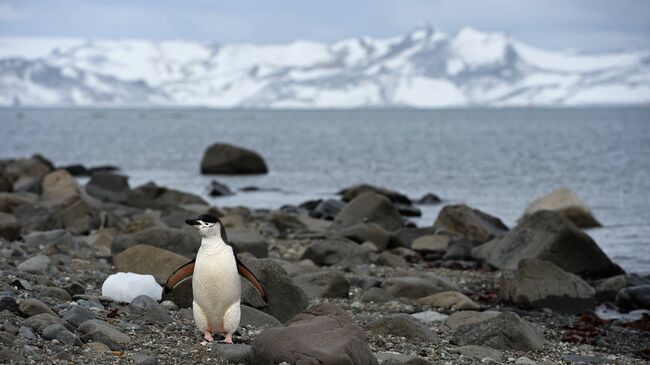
pixel 208 226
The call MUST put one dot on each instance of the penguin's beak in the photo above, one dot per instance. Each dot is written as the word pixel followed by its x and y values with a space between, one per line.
pixel 192 222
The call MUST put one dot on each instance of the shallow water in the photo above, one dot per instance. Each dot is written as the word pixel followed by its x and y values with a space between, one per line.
pixel 494 160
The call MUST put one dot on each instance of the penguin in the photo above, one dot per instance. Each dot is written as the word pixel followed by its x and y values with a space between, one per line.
pixel 215 280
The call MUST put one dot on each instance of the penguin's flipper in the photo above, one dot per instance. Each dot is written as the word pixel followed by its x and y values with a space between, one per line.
pixel 181 274
pixel 248 275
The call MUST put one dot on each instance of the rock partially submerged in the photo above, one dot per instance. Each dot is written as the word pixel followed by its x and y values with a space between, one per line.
pixel 223 158
pixel 368 207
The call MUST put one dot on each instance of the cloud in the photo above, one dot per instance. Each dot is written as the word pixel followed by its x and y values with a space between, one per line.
pixel 9 13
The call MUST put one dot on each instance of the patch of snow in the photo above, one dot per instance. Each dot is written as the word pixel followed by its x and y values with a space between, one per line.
pixel 126 286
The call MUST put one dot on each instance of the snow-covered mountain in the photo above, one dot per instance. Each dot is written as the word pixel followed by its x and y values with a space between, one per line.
pixel 424 68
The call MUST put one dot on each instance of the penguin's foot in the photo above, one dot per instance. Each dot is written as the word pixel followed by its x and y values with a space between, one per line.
pixel 208 336
pixel 228 338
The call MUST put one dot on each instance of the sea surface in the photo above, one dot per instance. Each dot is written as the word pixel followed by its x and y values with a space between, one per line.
pixel 494 160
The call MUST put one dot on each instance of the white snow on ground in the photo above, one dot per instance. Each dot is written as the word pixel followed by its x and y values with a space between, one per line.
pixel 126 286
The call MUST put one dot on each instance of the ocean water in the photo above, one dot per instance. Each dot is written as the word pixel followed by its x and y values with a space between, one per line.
pixel 494 160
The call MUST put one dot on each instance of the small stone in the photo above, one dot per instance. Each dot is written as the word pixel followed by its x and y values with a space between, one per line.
pixel 76 315
pixel 50 332
pixel 144 359
pixel 97 347
pixel 478 352
pixel 524 361
pixel 402 325
pixel 36 264
pixel 57 293
pixel 9 304
pixel 376 295
pixel 449 299
pixel 26 332
pixel 68 338
pixel 169 305
pixel 31 307
pixel 141 304
pixel 233 353
pixel 428 317
pixel 101 331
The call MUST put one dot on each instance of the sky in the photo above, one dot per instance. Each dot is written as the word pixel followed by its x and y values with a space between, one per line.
pixel 586 25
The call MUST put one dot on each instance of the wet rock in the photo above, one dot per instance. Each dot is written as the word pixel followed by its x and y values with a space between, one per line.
pixel 430 243
pixel 363 232
pixel 389 259
pixel 448 299
pixel 40 321
pixel 256 318
pixel 368 208
pixel 566 202
pixel 222 158
pixel 376 295
pixel 286 299
pixel 352 192
pixel 472 224
pixel 429 199
pixel 402 325
pixel 100 331
pixel 182 242
pixel 36 264
pixel 249 240
pixel 145 259
pixel 322 335
pixel 233 353
pixel 31 307
pixel 548 236
pixel 323 284
pixel 76 315
pixel 505 331
pixel 634 297
pixel 334 251
pixel 327 209
pixel 9 227
pixel 478 352
pixel 416 287
pixel 110 187
pixel 542 284
pixel 217 188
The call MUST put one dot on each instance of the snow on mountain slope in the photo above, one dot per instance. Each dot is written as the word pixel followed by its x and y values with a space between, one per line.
pixel 424 68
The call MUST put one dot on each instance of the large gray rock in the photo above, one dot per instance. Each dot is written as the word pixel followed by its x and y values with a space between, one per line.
pixel 233 353
pixel 40 321
pixel 256 318
pixel 152 196
pixel 568 203
pixel 181 241
pixel 322 335
pixel 36 264
pixel 368 208
pixel 77 314
pixel 32 306
pixel 549 236
pixel 334 252
pixel 59 186
pixel 286 299
pixel 404 237
pixel 222 158
pixel 78 215
pixel 107 186
pixel 249 240
pixel 145 259
pixel 472 224
pixel 323 284
pixel 59 239
pixel 402 325
pixel 25 171
pixel 100 331
pixel 542 284
pixel 363 232
pixel 416 287
pixel 348 194
pixel 505 331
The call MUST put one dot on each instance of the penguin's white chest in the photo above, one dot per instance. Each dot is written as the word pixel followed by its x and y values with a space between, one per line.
pixel 215 283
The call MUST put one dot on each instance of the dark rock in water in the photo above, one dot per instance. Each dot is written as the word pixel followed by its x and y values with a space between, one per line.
pixel 218 189
pixel 103 332
pixel 326 209
pixel 549 236
pixel 102 168
pixel 250 189
pixel 472 224
pixel 9 227
pixel 335 251
pixel 363 232
pixel 76 170
pixel 415 287
pixel 568 203
pixel 404 237
pixel 183 242
pixel 634 297
pixel 107 186
pixel 428 199
pixel 288 208
pixel 542 284
pixel 368 208
pixel 352 192
pixel 402 325
pixel 221 158
pixel 321 335
pixel 505 331
pixel 323 284
pixel 157 197
pixel 286 299
pixel 408 210
pixel 249 240
pixel 149 260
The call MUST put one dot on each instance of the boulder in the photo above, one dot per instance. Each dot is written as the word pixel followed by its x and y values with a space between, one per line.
pixel 323 284
pixel 222 158
pixel 100 331
pixel 77 215
pixel 32 306
pixel 634 297
pixel 77 314
pixel 9 227
pixel 248 240
pixel 404 237
pixel 217 188
pixel 542 284
pixel 181 241
pixel 326 209
pixel 233 353
pixel 349 194
pixel 39 264
pixel 335 252
pixel 549 236
pixel 368 208
pixel 146 259
pixel 390 259
pixel 286 299
pixel 40 321
pixel 428 199
pixel 363 232
pixel 568 203
pixel 287 222
pixel 6 182
pixel 430 243
pixel 472 224
pixel 462 318
pixel 416 287
pixel 376 295
pixel 26 171
pixel 59 185
pixel 448 299
pixel 152 196
pixel 256 318
pixel 505 331
pixel 321 335
pixel 402 325
pixel 478 352
pixel 110 187
pixel 607 289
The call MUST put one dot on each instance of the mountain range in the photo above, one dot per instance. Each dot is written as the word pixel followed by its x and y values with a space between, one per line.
pixel 425 68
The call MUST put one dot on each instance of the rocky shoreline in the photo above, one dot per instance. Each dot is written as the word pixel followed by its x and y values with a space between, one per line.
pixel 350 280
